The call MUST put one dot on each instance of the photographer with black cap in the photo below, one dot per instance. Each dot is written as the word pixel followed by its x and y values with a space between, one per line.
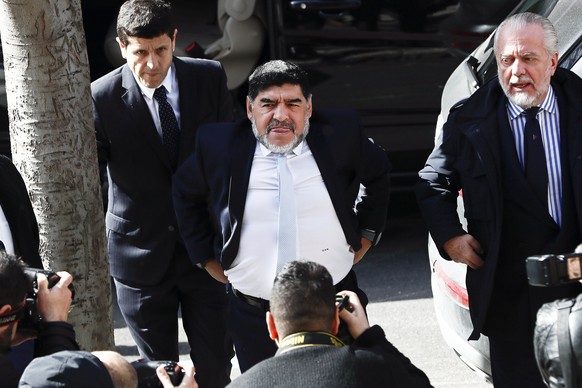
pixel 52 305
pixel 104 369
pixel 303 321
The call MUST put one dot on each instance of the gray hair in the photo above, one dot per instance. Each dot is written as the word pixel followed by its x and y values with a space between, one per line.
pixel 521 20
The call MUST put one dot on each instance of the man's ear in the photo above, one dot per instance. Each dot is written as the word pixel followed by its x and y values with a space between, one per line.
pixel 554 63
pixel 272 328
pixel 249 108
pixel 5 309
pixel 335 322
pixel 6 328
pixel 122 47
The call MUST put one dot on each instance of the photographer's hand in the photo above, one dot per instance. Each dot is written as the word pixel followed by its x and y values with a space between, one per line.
pixel 54 303
pixel 188 380
pixel 355 319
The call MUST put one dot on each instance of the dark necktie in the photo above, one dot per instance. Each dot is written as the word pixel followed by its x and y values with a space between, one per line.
pixel 536 170
pixel 170 130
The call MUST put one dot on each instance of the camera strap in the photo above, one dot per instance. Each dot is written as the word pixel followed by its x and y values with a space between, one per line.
pixel 308 338
pixel 13 316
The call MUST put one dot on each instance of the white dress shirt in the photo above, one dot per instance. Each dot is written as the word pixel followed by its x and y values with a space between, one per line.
pixel 5 233
pixel 171 85
pixel 320 237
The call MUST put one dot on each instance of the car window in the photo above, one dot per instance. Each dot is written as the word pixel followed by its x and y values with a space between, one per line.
pixel 572 58
pixel 577 68
pixel 542 7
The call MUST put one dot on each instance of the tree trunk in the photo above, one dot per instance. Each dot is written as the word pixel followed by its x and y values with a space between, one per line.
pixel 54 148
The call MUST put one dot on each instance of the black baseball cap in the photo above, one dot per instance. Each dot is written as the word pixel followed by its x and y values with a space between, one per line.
pixel 69 368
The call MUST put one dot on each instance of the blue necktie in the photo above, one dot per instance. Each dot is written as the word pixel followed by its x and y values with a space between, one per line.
pixel 536 170
pixel 287 214
pixel 170 129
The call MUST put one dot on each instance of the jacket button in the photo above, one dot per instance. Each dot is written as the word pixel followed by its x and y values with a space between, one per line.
pixel 171 228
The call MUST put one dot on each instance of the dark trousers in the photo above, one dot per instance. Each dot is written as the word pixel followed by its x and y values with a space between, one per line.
pixel 513 364
pixel 248 325
pixel 249 333
pixel 151 314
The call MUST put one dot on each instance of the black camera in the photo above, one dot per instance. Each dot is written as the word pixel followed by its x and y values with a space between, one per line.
pixel 147 377
pixel 343 333
pixel 31 323
pixel 553 270
pixel 344 303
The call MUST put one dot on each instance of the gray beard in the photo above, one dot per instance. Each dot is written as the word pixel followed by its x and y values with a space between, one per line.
pixel 280 149
pixel 523 100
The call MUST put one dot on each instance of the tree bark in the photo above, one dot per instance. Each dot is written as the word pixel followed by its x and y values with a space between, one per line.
pixel 54 148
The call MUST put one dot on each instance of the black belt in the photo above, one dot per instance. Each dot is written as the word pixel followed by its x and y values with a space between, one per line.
pixel 259 303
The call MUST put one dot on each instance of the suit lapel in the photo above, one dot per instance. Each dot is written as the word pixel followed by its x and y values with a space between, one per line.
pixel 321 151
pixel 242 151
pixel 139 113
pixel 514 179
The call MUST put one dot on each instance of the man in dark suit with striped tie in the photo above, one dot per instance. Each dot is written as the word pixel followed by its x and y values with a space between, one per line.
pixel 146 115
pixel 515 149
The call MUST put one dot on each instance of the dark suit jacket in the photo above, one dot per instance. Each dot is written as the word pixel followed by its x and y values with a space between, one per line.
pixel 211 186
pixel 140 220
pixel 371 361
pixel 468 157
pixel 19 214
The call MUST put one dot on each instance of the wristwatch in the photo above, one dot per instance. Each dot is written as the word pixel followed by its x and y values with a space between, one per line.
pixel 202 264
pixel 371 235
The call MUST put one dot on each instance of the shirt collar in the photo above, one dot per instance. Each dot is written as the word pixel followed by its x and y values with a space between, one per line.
pixel 549 105
pixel 168 83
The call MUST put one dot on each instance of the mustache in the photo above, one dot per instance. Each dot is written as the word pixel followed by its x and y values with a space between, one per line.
pixel 280 124
pixel 522 78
